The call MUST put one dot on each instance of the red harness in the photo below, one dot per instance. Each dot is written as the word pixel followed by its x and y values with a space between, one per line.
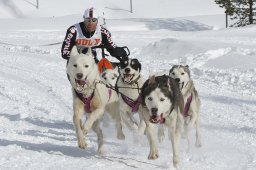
pixel 87 100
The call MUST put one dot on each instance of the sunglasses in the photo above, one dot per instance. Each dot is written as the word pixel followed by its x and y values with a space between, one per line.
pixel 90 19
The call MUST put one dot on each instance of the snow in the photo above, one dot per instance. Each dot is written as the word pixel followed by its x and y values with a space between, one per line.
pixel 36 129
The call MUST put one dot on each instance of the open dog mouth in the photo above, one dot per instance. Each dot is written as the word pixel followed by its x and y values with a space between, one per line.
pixel 157 119
pixel 128 77
pixel 80 84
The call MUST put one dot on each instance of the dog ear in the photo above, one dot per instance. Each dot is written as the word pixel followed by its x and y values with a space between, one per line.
pixel 152 79
pixel 74 51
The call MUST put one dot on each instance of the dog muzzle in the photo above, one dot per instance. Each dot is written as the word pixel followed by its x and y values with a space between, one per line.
pixel 128 77
pixel 157 119
pixel 81 83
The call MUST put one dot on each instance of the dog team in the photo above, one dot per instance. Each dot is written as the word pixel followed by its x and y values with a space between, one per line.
pixel 162 102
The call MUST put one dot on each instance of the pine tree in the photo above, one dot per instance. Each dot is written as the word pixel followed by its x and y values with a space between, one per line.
pixel 239 10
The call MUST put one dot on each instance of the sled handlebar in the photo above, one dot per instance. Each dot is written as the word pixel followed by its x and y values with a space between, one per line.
pixel 102 47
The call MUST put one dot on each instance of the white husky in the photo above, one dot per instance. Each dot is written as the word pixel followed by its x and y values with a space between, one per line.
pixel 109 76
pixel 90 97
pixel 191 99
pixel 162 104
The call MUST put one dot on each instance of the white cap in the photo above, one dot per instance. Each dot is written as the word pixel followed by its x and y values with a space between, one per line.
pixel 91 13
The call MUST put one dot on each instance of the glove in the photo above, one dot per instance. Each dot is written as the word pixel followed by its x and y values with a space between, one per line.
pixel 118 53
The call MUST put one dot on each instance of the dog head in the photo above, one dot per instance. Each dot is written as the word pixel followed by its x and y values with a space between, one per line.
pixel 81 69
pixel 129 69
pixel 109 76
pixel 181 74
pixel 159 96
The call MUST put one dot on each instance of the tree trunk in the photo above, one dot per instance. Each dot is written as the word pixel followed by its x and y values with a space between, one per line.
pixel 251 11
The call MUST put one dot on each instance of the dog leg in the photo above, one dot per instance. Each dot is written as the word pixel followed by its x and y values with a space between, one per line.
pixel 198 134
pixel 79 133
pixel 126 117
pixel 160 134
pixel 120 134
pixel 151 135
pixel 96 128
pixel 95 115
pixel 142 125
pixel 113 110
pixel 175 139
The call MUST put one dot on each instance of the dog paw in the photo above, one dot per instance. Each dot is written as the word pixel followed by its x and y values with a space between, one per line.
pixel 121 136
pixel 100 150
pixel 176 162
pixel 82 145
pixel 198 144
pixel 153 156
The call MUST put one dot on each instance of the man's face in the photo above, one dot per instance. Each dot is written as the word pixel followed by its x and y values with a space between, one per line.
pixel 91 24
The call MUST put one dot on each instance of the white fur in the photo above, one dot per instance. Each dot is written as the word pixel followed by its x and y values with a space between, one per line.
pixel 84 64
pixel 109 76
pixel 187 88
pixel 173 122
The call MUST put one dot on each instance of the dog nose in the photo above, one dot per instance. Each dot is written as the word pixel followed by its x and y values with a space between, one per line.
pixel 127 70
pixel 79 75
pixel 177 79
pixel 154 110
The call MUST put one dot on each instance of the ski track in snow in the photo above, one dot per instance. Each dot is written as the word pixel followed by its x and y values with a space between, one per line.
pixel 39 122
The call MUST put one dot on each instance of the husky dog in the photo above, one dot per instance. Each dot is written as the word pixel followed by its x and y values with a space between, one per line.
pixel 162 103
pixel 90 97
pixel 191 99
pixel 129 86
pixel 109 76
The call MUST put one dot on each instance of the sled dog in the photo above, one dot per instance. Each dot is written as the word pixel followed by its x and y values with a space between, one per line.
pixel 90 97
pixel 110 76
pixel 129 86
pixel 191 99
pixel 162 103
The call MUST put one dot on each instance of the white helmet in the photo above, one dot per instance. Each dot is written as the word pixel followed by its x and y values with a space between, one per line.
pixel 91 13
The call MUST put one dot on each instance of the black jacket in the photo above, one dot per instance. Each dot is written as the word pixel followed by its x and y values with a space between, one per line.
pixel 70 41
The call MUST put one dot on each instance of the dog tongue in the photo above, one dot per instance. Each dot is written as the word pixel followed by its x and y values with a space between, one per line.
pixel 81 82
pixel 127 77
pixel 157 119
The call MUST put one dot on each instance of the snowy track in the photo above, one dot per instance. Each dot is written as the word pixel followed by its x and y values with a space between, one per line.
pixel 36 129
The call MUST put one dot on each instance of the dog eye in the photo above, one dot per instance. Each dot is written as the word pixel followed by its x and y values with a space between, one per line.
pixel 150 98
pixel 86 66
pixel 113 78
pixel 173 73
pixel 182 73
pixel 75 65
pixel 162 99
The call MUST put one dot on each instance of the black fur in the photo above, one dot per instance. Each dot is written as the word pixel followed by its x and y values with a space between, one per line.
pixel 133 63
pixel 168 87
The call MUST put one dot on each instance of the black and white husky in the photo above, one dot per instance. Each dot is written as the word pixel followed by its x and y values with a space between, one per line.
pixel 162 104
pixel 90 97
pixel 191 99
pixel 129 86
